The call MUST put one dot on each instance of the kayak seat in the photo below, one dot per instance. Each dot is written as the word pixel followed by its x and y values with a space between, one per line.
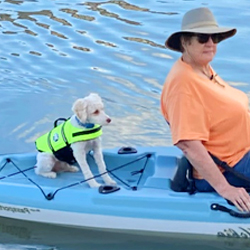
pixel 182 180
pixel 164 169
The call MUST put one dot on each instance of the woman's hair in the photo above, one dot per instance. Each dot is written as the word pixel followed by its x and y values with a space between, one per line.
pixel 185 38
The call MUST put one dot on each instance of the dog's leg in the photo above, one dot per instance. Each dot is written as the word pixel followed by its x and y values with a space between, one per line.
pixel 45 164
pixel 71 168
pixel 61 166
pixel 98 156
pixel 80 156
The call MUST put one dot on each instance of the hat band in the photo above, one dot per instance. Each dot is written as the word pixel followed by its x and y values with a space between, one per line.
pixel 200 25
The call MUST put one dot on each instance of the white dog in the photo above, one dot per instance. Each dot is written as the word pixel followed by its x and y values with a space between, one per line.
pixel 87 120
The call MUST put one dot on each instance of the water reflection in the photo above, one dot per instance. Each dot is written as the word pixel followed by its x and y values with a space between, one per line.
pixel 96 7
pixel 136 39
pixel 125 5
pixel 29 235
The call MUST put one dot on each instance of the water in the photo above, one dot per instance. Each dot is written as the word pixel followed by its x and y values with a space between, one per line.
pixel 31 236
pixel 53 52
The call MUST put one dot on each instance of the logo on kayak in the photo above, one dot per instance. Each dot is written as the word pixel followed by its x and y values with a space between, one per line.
pixel 23 210
pixel 233 233
pixel 55 137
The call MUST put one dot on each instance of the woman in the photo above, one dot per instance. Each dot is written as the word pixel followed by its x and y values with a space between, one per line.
pixel 205 114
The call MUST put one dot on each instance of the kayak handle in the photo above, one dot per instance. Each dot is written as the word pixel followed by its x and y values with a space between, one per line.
pixel 59 119
pixel 127 150
pixel 232 212
pixel 107 189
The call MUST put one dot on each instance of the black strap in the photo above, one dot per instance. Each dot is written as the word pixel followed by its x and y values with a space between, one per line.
pixel 86 132
pixel 183 179
pixel 191 189
pixel 226 167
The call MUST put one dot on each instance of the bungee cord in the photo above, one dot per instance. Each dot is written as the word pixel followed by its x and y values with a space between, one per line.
pixel 51 195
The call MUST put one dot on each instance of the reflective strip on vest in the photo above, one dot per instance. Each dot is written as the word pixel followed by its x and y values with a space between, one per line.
pixel 64 135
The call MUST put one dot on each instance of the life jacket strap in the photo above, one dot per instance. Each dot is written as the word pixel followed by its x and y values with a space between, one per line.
pixel 49 143
pixel 63 136
pixel 86 132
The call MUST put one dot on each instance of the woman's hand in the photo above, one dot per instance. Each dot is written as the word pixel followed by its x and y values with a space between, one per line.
pixel 238 196
pixel 204 164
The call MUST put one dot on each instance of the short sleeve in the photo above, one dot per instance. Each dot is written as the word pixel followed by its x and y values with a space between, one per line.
pixel 187 118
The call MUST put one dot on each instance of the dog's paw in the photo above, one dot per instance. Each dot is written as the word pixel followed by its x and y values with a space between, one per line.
pixel 73 169
pixel 110 182
pixel 94 184
pixel 51 175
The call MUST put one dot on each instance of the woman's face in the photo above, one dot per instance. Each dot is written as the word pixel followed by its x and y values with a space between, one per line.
pixel 200 53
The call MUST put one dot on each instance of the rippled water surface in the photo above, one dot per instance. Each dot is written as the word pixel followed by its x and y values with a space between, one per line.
pixel 53 52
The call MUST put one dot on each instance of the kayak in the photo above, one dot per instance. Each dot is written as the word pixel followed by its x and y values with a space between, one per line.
pixel 141 203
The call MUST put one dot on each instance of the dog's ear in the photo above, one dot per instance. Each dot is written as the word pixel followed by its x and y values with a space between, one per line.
pixel 80 109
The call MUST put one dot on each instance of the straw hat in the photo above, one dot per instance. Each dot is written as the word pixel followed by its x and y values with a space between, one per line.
pixel 200 20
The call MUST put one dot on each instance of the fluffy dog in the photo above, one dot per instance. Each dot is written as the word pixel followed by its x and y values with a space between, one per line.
pixel 88 113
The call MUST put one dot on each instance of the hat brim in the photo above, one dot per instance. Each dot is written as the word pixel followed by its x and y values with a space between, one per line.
pixel 174 43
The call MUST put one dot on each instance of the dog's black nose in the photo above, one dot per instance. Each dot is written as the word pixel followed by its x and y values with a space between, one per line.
pixel 108 120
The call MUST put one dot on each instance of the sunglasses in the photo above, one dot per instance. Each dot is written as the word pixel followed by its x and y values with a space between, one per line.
pixel 203 38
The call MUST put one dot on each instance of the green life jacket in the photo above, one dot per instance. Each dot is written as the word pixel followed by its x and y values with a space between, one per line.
pixel 65 134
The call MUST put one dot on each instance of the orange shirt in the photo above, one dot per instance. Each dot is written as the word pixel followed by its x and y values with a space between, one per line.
pixel 207 110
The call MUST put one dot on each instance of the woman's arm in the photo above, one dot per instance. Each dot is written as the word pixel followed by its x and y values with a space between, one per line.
pixel 200 159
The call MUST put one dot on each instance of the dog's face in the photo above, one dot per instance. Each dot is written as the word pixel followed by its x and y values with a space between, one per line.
pixel 90 109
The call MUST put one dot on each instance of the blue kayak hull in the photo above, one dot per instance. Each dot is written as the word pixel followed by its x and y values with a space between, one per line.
pixel 144 204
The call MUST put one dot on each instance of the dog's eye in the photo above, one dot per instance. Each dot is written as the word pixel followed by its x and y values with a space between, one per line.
pixel 96 112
